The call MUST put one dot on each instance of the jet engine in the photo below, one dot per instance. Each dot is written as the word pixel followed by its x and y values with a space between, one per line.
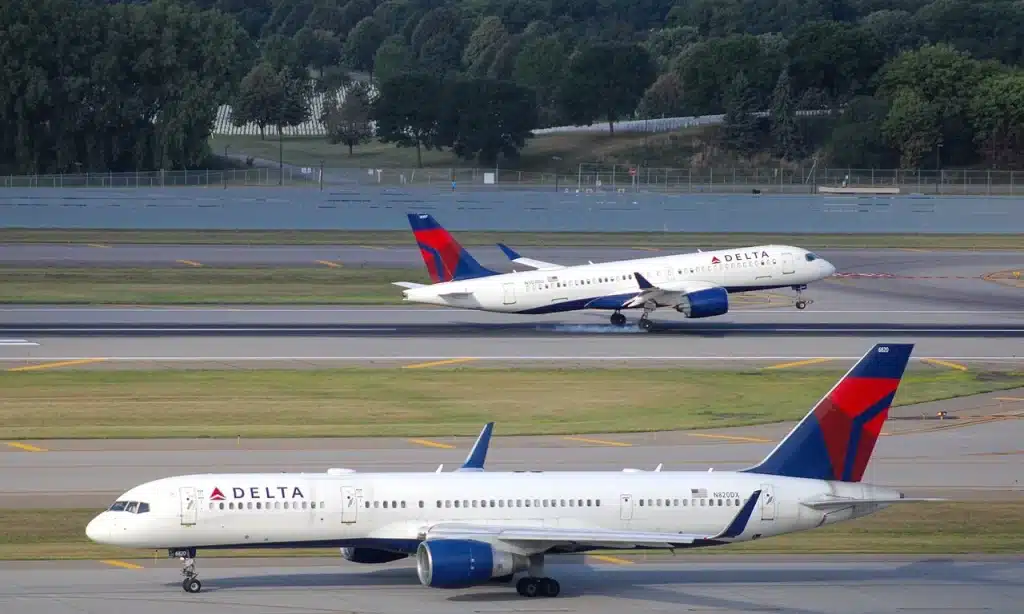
pixel 704 303
pixel 371 556
pixel 457 563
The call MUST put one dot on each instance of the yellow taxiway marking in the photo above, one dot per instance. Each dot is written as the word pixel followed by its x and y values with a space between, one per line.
pixel 799 363
pixel 98 245
pixel 54 365
pixel 438 363
pixel 329 263
pixel 648 249
pixel 914 249
pixel 25 446
pixel 121 564
pixel 600 442
pixel 730 437
pixel 611 559
pixel 1010 398
pixel 432 444
pixel 189 262
pixel 373 247
pixel 944 363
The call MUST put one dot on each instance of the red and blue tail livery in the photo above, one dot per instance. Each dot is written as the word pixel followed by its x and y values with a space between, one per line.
pixel 835 440
pixel 445 258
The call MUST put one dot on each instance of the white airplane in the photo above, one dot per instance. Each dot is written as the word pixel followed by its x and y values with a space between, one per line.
pixel 469 528
pixel 697 285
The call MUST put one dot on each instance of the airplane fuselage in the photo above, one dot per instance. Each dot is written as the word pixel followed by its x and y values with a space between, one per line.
pixel 394 512
pixel 607 285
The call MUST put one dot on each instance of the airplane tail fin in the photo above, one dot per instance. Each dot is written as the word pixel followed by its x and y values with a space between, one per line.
pixel 835 439
pixel 445 258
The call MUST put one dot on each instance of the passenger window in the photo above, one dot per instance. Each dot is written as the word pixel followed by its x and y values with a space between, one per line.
pixel 259 505
pixel 249 505
pixel 737 502
pixel 221 506
pixel 456 503
pixel 285 505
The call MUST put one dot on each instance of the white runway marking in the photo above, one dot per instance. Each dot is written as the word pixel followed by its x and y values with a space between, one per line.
pixel 16 342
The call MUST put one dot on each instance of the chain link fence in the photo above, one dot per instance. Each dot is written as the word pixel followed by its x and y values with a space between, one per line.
pixel 586 177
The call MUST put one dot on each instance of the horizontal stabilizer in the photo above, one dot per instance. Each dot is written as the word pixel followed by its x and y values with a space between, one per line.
pixel 530 262
pixel 839 502
pixel 409 285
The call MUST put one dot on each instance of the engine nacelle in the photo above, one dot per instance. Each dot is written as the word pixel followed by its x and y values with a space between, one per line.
pixel 705 303
pixel 371 556
pixel 461 563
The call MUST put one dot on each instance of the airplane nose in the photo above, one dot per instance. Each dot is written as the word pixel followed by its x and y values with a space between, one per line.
pixel 98 530
pixel 830 269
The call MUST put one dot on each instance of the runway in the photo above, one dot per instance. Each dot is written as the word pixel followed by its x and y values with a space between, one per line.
pixel 820 585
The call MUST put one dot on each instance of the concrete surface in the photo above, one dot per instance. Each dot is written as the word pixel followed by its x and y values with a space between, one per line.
pixel 804 585
pixel 368 208
pixel 973 453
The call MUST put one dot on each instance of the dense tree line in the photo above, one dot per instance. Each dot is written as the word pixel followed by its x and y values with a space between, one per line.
pixel 901 82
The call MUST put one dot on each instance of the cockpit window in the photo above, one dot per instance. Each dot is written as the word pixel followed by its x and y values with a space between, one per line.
pixel 132 507
pixel 810 257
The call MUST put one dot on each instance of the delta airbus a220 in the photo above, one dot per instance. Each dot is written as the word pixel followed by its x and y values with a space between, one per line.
pixel 471 527
pixel 697 285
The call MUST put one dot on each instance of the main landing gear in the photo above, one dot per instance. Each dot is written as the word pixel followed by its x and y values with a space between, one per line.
pixel 644 322
pixel 191 583
pixel 535 584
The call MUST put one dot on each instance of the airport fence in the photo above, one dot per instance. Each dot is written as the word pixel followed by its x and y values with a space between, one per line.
pixel 586 177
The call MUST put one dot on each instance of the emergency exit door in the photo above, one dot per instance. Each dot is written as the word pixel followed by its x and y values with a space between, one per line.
pixel 349 504
pixel 510 293
pixel 625 507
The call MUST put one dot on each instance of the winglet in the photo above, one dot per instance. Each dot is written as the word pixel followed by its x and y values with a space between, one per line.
pixel 510 253
pixel 739 523
pixel 642 281
pixel 478 455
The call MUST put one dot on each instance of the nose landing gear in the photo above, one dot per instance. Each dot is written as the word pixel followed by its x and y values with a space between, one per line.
pixel 191 583
pixel 801 302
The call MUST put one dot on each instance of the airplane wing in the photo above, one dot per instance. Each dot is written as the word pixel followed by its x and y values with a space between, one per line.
pixel 530 262
pixel 542 538
pixel 670 294
pixel 477 455
pixel 407 284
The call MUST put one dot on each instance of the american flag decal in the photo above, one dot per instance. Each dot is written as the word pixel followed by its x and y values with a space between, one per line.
pixel 699 493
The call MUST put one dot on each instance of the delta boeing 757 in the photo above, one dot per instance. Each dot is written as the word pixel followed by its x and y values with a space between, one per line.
pixel 471 527
pixel 697 285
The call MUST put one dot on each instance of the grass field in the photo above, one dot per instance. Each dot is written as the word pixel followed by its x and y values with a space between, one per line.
pixel 184 285
pixel 662 240
pixel 930 528
pixel 560 153
pixel 399 403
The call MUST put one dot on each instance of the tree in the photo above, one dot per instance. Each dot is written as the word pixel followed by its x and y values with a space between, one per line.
pixel 269 97
pixel 833 57
pixel 996 113
pixel 362 44
pixel 784 130
pixel 392 58
pixel 540 66
pixel 857 140
pixel 483 45
pixel 664 98
pixel 605 80
pixel 349 122
pixel 912 126
pixel 407 112
pixel 707 68
pixel 741 126
pixel 485 118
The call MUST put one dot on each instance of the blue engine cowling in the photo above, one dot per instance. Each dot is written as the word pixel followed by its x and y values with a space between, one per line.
pixel 461 563
pixel 705 303
pixel 371 556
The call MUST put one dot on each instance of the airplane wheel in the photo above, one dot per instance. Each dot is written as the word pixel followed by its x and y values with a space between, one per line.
pixel 528 587
pixel 645 324
pixel 549 587
pixel 801 304
pixel 618 319
pixel 192 585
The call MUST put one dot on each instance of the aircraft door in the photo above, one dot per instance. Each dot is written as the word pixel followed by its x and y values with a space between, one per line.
pixel 510 293
pixel 767 502
pixel 349 504
pixel 189 505
pixel 787 263
pixel 625 507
